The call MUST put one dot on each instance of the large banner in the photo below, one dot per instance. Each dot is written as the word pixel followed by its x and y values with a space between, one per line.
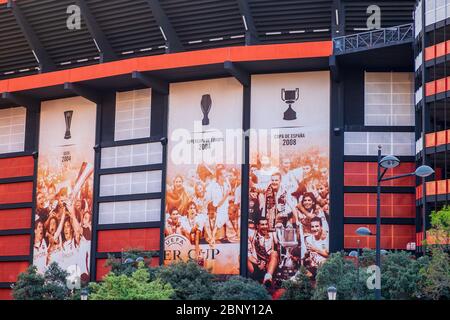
pixel 289 175
pixel 64 196
pixel 203 203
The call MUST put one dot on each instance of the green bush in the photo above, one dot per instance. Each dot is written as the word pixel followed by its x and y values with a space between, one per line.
pixel 188 279
pixel 50 286
pixel 340 273
pixel 435 280
pixel 299 288
pixel 136 286
pixel 239 288
pixel 118 266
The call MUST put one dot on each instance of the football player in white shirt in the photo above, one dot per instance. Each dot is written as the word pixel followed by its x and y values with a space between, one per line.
pixel 264 174
pixel 219 192
pixel 189 226
pixel 317 244
pixel 40 247
pixel 290 178
pixel 233 224
pixel 213 229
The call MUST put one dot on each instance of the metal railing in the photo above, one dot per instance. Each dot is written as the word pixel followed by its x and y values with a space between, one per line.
pixel 374 39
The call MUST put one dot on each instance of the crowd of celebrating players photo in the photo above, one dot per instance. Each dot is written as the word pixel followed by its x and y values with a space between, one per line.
pixel 63 219
pixel 288 216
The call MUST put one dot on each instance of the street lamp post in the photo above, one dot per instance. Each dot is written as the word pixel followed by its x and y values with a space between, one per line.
pixel 331 291
pixel 388 162
pixel 356 254
pixel 84 294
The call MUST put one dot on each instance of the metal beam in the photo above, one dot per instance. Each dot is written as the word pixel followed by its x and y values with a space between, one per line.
pixel 334 67
pixel 251 34
pixel 41 55
pixel 19 99
pixel 157 85
pixel 106 51
pixel 240 74
pixel 83 91
pixel 173 43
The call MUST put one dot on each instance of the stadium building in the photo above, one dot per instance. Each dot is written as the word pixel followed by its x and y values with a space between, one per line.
pixel 237 133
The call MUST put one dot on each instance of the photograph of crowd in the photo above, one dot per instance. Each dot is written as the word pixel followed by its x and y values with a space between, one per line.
pixel 64 189
pixel 63 219
pixel 288 216
pixel 204 207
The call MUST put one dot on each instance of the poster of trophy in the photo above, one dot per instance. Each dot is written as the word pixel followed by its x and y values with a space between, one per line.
pixel 289 175
pixel 203 197
pixel 64 195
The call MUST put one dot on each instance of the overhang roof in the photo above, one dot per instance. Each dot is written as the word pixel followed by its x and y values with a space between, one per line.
pixel 35 38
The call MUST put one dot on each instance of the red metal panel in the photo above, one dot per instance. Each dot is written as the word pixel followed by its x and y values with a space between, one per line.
pixel 10 270
pixel 442 187
pixel 430 88
pixel 392 205
pixel 16 192
pixel 16 167
pixel 15 219
pixel 6 294
pixel 419 192
pixel 16 245
pixel 430 53
pixel 392 236
pixel 440 49
pixel 431 188
pixel 441 137
pixel 430 140
pixel 365 174
pixel 118 240
pixel 441 85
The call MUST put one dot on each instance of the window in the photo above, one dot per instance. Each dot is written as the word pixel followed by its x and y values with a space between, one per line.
pixel 133 110
pixel 389 99
pixel 130 183
pixel 366 143
pixel 132 155
pixel 12 130
pixel 130 211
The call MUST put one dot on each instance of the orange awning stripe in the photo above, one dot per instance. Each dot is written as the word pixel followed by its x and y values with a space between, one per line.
pixel 170 61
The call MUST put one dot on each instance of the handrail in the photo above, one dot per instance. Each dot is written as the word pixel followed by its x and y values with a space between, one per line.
pixel 374 39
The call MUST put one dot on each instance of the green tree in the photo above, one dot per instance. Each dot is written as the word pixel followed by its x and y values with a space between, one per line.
pixel 50 286
pixel 339 272
pixel 239 288
pixel 440 227
pixel 136 286
pixel 299 288
pixel 188 279
pixel 435 284
pixel 121 266
pixel 400 275
pixel 29 285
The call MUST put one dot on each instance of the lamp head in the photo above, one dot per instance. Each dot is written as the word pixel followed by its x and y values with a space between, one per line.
pixel 389 162
pixel 424 171
pixel 363 231
pixel 353 254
